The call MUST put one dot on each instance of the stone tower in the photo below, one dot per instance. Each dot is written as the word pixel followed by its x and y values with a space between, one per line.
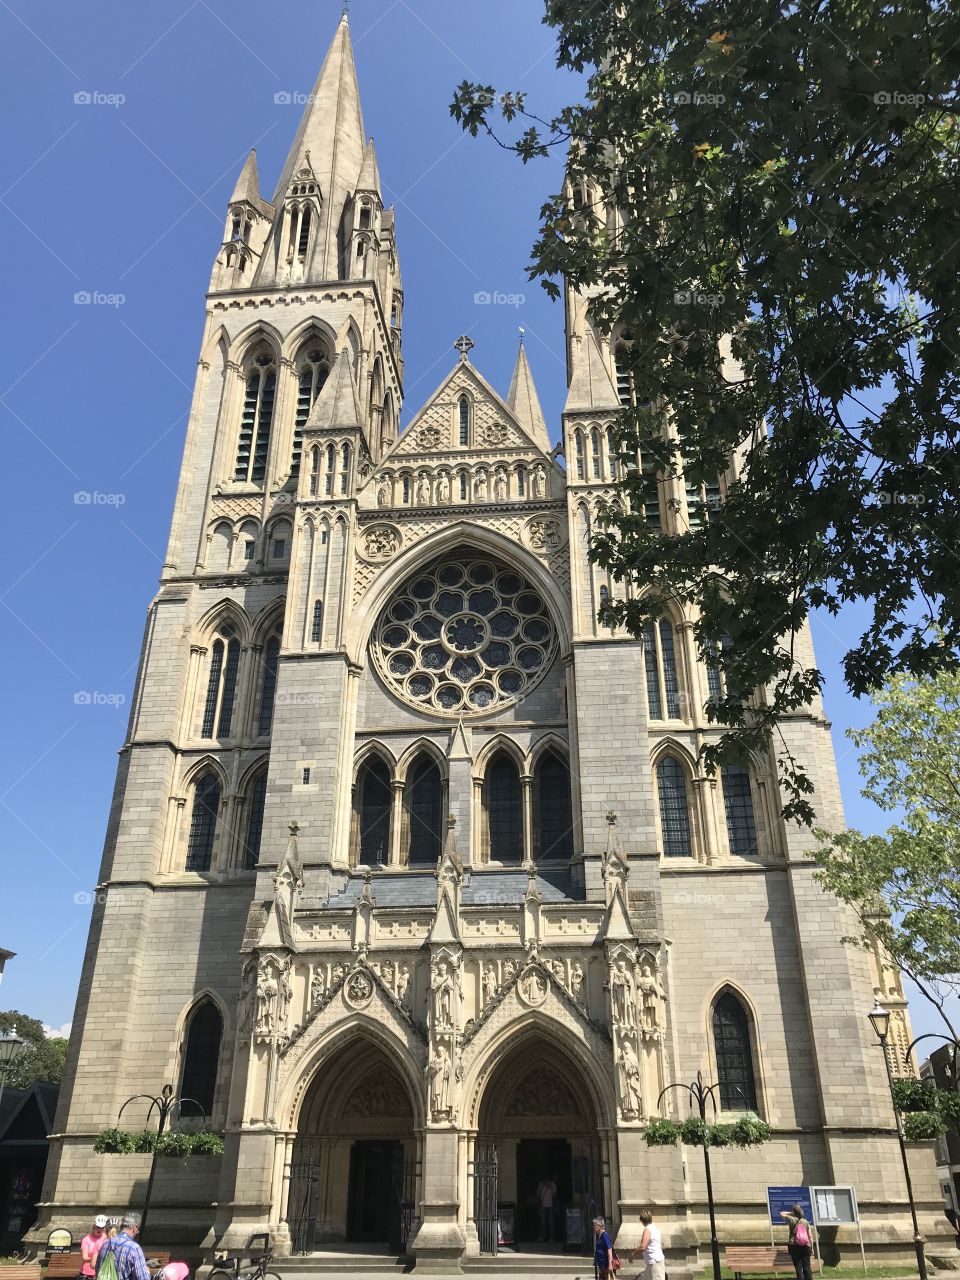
pixel 412 881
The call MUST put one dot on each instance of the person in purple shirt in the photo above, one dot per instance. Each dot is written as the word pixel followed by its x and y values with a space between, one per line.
pixel 131 1263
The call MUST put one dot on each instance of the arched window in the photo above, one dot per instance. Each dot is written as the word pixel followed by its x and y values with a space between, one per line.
pixel 364 217
pixel 424 814
pixel 596 461
pixel 738 803
pixel 464 420
pixel 316 622
pixel 660 664
pixel 703 501
pixel 345 454
pixel 314 472
pixel 521 482
pixel 221 684
pixel 406 488
pixel 613 460
pixel 674 809
pixel 254 832
pixel 376 387
pixel 256 421
pixel 268 687
pixel 221 545
pixel 731 1038
pixel 331 464
pixel 463 486
pixel 313 374
pixel 388 427
pixel 504 810
pixel 554 814
pixel 374 803
pixel 203 823
pixel 581 466
pixel 621 359
pixel 200 1059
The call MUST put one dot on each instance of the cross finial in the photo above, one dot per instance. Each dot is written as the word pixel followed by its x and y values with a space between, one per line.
pixel 463 344
pixel 346 8
pixel 522 332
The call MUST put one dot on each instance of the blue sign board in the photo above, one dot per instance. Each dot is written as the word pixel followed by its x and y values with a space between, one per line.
pixel 780 1198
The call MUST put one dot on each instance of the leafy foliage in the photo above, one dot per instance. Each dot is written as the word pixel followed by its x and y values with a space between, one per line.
pixel 921 1126
pixel 904 886
pixel 144 1141
pixel 42 1057
pixel 912 1094
pixel 748 1131
pixel 766 204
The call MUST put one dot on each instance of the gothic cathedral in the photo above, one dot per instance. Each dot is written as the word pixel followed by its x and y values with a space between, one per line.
pixel 412 882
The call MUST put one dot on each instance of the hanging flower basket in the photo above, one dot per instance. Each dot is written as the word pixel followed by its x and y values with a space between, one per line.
pixel 126 1142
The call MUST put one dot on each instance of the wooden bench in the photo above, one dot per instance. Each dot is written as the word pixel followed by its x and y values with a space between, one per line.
pixel 18 1271
pixel 66 1266
pixel 761 1259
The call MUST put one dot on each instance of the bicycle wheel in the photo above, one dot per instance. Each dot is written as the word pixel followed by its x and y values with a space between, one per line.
pixel 270 1275
pixel 221 1273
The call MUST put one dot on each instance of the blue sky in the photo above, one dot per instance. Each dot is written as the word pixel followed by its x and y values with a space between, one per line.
pixel 129 125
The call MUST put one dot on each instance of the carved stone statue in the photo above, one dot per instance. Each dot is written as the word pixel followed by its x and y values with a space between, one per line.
pixel 622 995
pixel 267 992
pixel 489 983
pixel 423 490
pixel 510 969
pixel 386 973
pixel 539 481
pixel 629 1080
pixel 649 993
pixel 443 489
pixel 438 1070
pixel 576 983
pixel 442 986
pixel 338 972
pixel 558 971
pixel 403 984
pixel 480 486
pixel 500 485
pixel 317 988
pixel 383 492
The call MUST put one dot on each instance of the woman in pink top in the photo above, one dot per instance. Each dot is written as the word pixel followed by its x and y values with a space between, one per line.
pixel 91 1244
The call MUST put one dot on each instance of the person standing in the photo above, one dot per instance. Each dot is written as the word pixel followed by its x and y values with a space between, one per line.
pixel 126 1253
pixel 546 1195
pixel 800 1245
pixel 650 1248
pixel 92 1243
pixel 602 1251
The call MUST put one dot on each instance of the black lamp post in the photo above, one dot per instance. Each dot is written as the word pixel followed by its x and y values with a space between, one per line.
pixel 165 1103
pixel 700 1094
pixel 10 1046
pixel 880 1021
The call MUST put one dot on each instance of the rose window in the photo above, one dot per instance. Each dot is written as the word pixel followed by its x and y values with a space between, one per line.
pixel 464 637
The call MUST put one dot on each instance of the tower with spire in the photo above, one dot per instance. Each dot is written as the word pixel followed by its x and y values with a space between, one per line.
pixel 412 880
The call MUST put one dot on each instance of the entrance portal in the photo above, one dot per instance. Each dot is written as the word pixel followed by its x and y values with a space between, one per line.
pixel 353 1173
pixel 535 1093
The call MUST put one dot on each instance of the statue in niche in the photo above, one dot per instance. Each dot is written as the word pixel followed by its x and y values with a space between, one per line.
pixel 649 994
pixel 438 1070
pixel 338 972
pixel 386 974
pixel 576 983
pixel 383 492
pixel 317 988
pixel 539 481
pixel 480 486
pixel 559 972
pixel 443 489
pixel 500 485
pixel 268 991
pixel 489 983
pixel 442 997
pixel 629 1080
pixel 534 987
pixel 403 984
pixel 622 995
pixel 510 969
pixel 423 490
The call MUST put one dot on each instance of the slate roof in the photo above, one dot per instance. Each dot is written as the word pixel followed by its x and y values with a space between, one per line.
pixel 406 889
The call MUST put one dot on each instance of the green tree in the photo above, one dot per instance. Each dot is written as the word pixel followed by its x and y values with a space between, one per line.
pixel 785 270
pixel 904 886
pixel 42 1057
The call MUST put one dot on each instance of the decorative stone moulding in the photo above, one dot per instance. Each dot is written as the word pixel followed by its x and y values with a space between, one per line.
pixel 464 637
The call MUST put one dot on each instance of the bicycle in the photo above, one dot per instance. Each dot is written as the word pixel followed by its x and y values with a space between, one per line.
pixel 232 1268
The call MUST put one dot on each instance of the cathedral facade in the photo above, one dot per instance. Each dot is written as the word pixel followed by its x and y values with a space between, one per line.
pixel 413 884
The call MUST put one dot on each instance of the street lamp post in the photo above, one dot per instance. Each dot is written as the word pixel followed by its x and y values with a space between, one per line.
pixel 10 1046
pixel 880 1021
pixel 165 1103
pixel 700 1094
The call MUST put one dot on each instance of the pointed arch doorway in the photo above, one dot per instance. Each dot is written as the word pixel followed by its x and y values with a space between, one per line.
pixel 355 1162
pixel 537 1128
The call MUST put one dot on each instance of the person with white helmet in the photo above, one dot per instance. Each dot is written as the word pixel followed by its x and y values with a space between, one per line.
pixel 92 1243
